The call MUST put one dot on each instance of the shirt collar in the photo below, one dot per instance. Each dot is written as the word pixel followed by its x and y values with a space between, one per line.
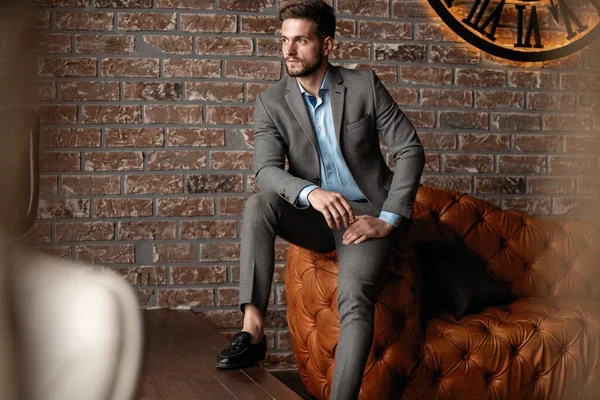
pixel 324 85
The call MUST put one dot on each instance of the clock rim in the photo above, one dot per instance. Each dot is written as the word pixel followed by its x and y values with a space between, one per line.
pixel 506 53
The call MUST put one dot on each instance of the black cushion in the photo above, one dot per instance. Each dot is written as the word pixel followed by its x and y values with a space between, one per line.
pixel 455 279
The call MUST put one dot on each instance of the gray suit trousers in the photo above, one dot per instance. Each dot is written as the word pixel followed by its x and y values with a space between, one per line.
pixel 267 215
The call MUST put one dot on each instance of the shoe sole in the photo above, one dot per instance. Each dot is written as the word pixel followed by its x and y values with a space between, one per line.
pixel 236 366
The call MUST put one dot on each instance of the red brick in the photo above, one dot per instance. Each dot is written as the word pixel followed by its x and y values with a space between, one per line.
pixel 498 99
pixel 573 164
pixel 84 231
pixel 516 122
pixel 60 161
pixel 412 9
pixel 215 183
pixel 464 120
pixel 262 25
pixel 153 184
pixel 145 297
pixel 176 160
pixel 438 141
pixel 143 275
pixel 543 143
pixel 48 185
pixel 85 185
pixel 567 122
pixel 42 91
pixel 421 119
pixel 131 67
pixel 582 144
pixel 175 252
pixel 432 162
pixel 589 102
pixel 51 43
pixel 500 184
pixel 529 205
pixel 186 207
pixel 58 3
pixel 170 44
pixel 227 46
pixel 147 230
pixel 580 81
pixel 193 4
pixel 231 205
pixel 588 185
pixel 426 75
pixel 229 115
pixel 550 101
pixel 521 164
pixel 111 114
pixel 219 251
pixel 575 205
pixel 214 91
pixel 198 275
pixel 57 115
pixel 170 91
pixel 122 208
pixel 432 32
pixel 446 98
pixel 83 21
pixel 268 48
pixel 483 142
pixel 178 68
pixel 146 21
pixel 122 3
pixel 454 54
pixel 70 137
pixel 385 30
pixel 67 67
pixel 231 160
pixel 468 163
pixel 386 73
pixel 228 296
pixel 134 137
pixel 345 28
pixel 480 77
pixel 88 91
pixel 64 208
pixel 400 52
pixel 547 185
pixel 533 79
pixel 173 114
pixel 110 44
pixel 217 23
pixel 106 254
pixel 212 229
pixel 175 298
pixel 62 252
pixel 195 137
pixel 263 70
pixel 247 135
pixel 404 96
pixel 370 8
pixel 114 161
pixel 39 20
pixel 39 232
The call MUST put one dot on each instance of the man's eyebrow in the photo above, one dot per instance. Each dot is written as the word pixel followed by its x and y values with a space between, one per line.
pixel 295 37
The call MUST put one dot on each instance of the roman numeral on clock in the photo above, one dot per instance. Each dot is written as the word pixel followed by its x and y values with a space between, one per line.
pixel 474 21
pixel 568 16
pixel 533 27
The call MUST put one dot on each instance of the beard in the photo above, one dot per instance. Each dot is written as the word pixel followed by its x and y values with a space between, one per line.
pixel 307 67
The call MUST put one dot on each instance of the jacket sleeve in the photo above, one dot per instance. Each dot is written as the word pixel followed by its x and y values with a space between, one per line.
pixel 402 140
pixel 269 158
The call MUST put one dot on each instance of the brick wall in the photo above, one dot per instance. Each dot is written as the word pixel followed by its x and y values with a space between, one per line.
pixel 146 143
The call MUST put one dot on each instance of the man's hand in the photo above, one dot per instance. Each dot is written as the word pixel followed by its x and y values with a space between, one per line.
pixel 366 227
pixel 334 207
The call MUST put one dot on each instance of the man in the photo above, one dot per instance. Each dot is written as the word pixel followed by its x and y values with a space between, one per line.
pixel 338 192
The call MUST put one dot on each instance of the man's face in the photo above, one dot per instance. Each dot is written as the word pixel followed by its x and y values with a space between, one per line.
pixel 303 51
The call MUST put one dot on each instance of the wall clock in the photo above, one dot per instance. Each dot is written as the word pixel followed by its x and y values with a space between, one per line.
pixel 520 30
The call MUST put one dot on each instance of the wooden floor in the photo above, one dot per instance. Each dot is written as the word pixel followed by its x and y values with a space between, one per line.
pixel 179 363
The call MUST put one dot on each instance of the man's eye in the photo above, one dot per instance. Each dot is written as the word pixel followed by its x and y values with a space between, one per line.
pixel 302 41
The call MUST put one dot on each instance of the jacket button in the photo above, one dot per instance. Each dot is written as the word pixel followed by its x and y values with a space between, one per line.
pixel 316 179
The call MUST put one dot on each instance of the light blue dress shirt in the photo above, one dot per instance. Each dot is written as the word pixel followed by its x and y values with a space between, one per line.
pixel 335 175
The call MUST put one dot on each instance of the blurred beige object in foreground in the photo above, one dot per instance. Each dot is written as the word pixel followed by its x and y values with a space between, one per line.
pixel 66 332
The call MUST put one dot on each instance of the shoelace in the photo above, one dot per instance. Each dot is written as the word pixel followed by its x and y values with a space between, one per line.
pixel 237 342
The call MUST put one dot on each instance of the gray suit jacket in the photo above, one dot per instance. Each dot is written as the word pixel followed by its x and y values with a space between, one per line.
pixel 361 108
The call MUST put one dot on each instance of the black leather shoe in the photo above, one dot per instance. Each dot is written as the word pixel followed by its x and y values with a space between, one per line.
pixel 241 352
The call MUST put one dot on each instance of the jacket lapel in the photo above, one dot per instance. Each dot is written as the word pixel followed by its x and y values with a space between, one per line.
pixel 337 91
pixel 298 106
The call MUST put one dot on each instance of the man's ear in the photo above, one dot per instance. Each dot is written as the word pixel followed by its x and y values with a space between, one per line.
pixel 327 46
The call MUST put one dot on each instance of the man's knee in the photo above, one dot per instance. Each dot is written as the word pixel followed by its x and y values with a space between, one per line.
pixel 262 202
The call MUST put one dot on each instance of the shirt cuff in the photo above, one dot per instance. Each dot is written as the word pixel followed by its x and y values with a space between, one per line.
pixel 302 200
pixel 390 218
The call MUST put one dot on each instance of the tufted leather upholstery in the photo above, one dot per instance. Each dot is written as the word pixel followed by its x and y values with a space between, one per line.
pixel 545 345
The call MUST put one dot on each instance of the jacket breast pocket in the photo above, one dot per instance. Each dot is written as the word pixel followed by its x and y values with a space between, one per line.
pixel 357 124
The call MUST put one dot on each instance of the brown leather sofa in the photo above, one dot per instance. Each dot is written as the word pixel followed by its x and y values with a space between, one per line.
pixel 545 345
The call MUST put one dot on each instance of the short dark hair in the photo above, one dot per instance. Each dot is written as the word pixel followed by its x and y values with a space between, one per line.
pixel 317 11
